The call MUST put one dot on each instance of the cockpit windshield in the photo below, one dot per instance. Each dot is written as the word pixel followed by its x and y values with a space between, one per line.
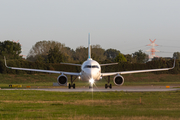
pixel 91 66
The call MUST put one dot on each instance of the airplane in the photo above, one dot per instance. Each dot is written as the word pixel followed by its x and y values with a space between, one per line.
pixel 90 72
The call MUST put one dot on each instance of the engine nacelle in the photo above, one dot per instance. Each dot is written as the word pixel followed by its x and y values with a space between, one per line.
pixel 62 80
pixel 118 80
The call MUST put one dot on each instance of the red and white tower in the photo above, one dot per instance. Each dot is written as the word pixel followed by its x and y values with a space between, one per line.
pixel 152 50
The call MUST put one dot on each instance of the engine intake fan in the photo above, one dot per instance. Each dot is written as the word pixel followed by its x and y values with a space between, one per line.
pixel 62 80
pixel 118 80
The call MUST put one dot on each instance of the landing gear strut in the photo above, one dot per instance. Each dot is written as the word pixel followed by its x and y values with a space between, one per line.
pixel 90 87
pixel 71 84
pixel 108 85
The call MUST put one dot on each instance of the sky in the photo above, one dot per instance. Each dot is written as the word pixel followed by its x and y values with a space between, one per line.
pixel 125 25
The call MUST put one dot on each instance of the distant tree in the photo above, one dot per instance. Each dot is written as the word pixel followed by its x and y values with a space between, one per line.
pixel 10 49
pixel 97 53
pixel 140 57
pixel 42 48
pixel 176 55
pixel 40 59
pixel 130 58
pixel 120 58
pixel 81 54
pixel 68 54
pixel 54 55
pixel 111 54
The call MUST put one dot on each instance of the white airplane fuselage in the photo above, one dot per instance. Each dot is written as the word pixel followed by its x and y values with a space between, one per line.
pixel 90 69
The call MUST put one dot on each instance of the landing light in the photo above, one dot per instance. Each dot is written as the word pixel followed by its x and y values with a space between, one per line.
pixel 91 81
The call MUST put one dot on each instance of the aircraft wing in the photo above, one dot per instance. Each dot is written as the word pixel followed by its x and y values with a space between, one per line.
pixel 136 71
pixel 45 71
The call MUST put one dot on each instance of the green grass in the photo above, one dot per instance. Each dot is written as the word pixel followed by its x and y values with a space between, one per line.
pixel 43 105
pixel 30 105
pixel 46 80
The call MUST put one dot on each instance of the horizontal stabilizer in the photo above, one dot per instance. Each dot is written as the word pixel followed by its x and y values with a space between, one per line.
pixel 108 64
pixel 71 64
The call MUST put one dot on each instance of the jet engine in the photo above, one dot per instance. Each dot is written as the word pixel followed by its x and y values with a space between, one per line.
pixel 62 80
pixel 118 80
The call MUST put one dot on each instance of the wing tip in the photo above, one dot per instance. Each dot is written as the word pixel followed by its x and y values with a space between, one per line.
pixel 5 61
pixel 174 64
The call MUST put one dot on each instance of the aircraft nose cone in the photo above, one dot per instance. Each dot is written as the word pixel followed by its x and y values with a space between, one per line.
pixel 88 73
pixel 91 74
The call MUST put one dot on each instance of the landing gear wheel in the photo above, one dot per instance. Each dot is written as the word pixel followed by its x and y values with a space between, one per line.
pixel 110 86
pixel 106 86
pixel 69 86
pixel 73 86
pixel 71 83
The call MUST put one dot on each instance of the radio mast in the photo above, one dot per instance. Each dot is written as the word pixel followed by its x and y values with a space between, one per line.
pixel 152 50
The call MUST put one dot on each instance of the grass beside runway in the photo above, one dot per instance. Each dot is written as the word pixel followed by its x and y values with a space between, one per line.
pixel 44 105
pixel 46 80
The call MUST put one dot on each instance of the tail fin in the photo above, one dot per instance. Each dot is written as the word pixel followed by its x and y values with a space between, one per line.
pixel 89 47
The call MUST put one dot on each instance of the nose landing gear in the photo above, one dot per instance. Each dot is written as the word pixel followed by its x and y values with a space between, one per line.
pixel 90 87
pixel 91 82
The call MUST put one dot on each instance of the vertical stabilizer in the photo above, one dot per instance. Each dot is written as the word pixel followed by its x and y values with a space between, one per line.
pixel 89 46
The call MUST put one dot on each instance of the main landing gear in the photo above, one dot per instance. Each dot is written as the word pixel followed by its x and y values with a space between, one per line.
pixel 72 84
pixel 108 85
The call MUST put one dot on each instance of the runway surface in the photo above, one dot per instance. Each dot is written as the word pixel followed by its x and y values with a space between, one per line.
pixel 101 89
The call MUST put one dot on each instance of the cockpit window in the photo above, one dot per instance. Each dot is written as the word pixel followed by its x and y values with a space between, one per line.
pixel 91 66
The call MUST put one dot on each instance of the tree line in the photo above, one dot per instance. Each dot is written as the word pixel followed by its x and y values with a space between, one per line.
pixel 55 52
pixel 49 54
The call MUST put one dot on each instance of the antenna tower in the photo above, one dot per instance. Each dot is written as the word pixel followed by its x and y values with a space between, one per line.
pixel 152 50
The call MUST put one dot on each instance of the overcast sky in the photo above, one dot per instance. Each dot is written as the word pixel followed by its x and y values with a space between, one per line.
pixel 125 25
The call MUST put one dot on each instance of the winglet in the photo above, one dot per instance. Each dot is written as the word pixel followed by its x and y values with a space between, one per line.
pixel 5 61
pixel 174 64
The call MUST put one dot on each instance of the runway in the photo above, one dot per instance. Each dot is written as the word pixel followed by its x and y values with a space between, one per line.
pixel 101 89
